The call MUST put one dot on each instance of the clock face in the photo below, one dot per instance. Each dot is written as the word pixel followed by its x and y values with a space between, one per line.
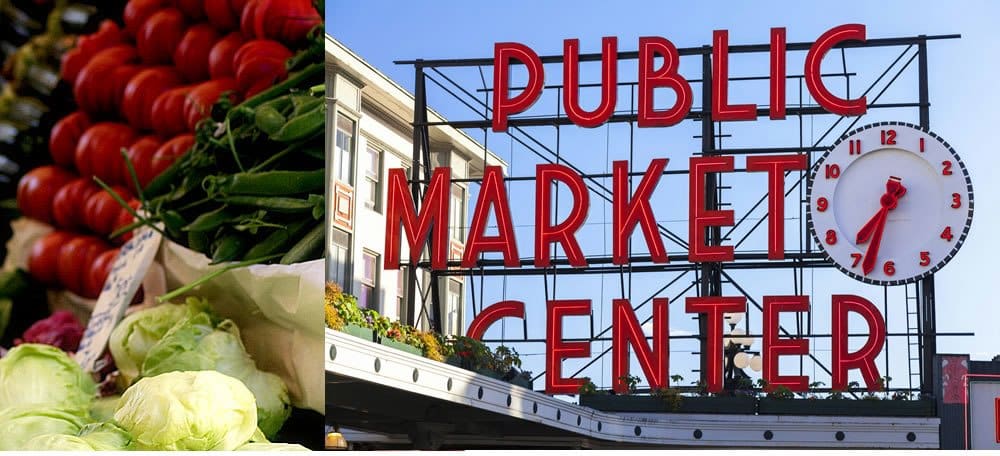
pixel 890 203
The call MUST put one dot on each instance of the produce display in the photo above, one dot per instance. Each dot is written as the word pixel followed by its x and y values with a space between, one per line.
pixel 200 119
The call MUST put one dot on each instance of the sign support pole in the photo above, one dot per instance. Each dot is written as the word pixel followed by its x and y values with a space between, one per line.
pixel 710 278
pixel 929 323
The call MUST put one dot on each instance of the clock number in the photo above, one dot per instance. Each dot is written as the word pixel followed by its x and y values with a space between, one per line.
pixel 921 144
pixel 832 171
pixel 925 258
pixel 946 234
pixel 822 204
pixel 956 200
pixel 889 137
pixel 889 268
pixel 857 259
pixel 946 171
pixel 831 237
pixel 854 147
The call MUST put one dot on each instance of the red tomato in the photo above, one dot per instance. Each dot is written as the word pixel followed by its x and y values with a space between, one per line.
pixel 141 155
pixel 198 104
pixel 221 15
pixel 193 9
pixel 65 134
pixel 159 36
pixel 97 273
pixel 125 219
pixel 261 48
pixel 98 88
pixel 256 74
pixel 288 21
pixel 71 63
pixel 67 205
pixel 75 257
pixel 43 259
pixel 169 152
pixel 99 151
pixel 220 59
pixel 37 188
pixel 137 11
pixel 168 110
pixel 108 34
pixel 142 90
pixel 100 212
pixel 191 56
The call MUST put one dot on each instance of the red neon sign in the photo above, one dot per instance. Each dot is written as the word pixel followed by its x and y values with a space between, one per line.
pixel 667 76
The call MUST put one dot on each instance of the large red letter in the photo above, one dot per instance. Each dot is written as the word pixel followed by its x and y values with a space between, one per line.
pixel 721 109
pixel 564 233
pixel 626 331
pixel 777 73
pixel 571 82
pixel 434 211
pixel 491 194
pixel 775 345
pixel 503 54
pixel 714 307
pixel 665 76
pixel 814 60
pixel 636 211
pixel 558 350
pixel 492 314
pixel 776 165
pixel 700 217
pixel 864 358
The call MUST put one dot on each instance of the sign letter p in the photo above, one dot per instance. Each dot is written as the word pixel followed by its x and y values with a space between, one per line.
pixel 503 56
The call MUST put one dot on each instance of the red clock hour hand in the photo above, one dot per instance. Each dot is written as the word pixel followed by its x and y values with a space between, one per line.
pixel 872 230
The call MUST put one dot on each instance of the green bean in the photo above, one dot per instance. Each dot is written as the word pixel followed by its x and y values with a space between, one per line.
pixel 272 203
pixel 302 126
pixel 229 248
pixel 277 240
pixel 270 183
pixel 269 120
pixel 211 220
pixel 309 247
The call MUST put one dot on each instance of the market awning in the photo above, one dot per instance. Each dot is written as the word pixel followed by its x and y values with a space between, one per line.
pixel 401 399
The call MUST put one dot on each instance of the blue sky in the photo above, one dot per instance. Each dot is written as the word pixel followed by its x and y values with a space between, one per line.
pixel 962 91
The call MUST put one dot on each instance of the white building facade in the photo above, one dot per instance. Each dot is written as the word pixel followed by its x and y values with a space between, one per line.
pixel 369 127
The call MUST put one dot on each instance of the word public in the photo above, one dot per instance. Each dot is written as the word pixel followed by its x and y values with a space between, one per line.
pixel 632 210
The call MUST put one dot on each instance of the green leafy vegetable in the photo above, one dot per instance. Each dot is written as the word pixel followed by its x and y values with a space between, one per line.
pixel 44 376
pixel 20 424
pixel 202 410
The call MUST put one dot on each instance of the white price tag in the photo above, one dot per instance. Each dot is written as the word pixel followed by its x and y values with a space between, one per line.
pixel 122 283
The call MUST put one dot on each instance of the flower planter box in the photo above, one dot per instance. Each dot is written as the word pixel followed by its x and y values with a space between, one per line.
pixel 359 331
pixel 488 372
pixel 401 346
pixel 523 382
pixel 654 404
pixel 845 407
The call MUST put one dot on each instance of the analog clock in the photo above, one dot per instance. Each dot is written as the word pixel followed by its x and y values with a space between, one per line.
pixel 890 203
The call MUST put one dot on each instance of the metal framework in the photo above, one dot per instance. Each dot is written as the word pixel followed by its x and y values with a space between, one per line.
pixel 709 278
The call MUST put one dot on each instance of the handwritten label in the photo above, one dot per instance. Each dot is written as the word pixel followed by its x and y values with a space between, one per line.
pixel 123 282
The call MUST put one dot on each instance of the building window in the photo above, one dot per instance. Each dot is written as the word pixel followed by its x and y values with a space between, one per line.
pixel 373 179
pixel 402 286
pixel 453 311
pixel 368 296
pixel 344 150
pixel 339 262
pixel 456 219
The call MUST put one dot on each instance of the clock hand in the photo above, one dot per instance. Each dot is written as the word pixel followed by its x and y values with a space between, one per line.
pixel 873 229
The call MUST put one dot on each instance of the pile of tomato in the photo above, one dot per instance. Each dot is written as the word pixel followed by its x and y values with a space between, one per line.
pixel 141 87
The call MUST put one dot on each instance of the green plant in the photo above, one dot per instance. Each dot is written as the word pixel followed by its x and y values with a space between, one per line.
pixel 379 324
pixel 701 387
pixel 588 388
pixel 677 379
pixel 672 396
pixel 505 359
pixel 471 353
pixel 631 383
pixel 341 308
pixel 781 392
